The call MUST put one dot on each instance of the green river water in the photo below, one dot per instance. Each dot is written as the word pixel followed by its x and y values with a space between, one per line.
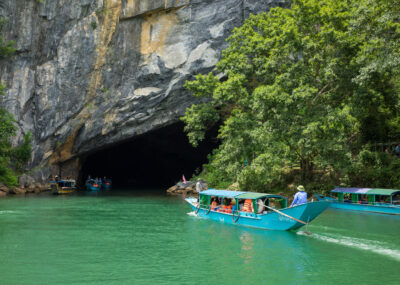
pixel 145 237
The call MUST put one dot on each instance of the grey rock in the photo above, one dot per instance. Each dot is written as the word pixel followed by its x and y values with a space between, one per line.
pixel 26 181
pixel 92 73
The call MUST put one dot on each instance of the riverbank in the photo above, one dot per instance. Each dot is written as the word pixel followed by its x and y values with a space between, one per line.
pixel 185 189
pixel 31 189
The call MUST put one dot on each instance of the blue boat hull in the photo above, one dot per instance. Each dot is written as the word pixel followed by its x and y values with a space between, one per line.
pixel 271 220
pixel 106 186
pixel 383 209
pixel 90 187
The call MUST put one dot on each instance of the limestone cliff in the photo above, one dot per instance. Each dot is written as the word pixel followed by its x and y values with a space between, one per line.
pixel 90 73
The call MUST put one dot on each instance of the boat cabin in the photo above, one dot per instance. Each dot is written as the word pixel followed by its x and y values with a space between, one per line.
pixel 249 203
pixel 370 196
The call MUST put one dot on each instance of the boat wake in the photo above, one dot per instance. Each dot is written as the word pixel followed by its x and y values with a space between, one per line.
pixel 357 243
pixel 193 214
pixel 7 212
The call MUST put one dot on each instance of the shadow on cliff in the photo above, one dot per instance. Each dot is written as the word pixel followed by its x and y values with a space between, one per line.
pixel 153 160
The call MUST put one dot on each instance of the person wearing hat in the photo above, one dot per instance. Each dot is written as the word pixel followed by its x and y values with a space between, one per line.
pixel 300 197
pixel 199 186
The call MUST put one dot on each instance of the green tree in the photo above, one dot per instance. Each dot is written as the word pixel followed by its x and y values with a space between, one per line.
pixel 7 130
pixel 302 85
pixel 12 159
pixel 6 48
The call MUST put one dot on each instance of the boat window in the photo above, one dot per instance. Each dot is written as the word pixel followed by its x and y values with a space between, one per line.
pixel 363 199
pixel 204 201
pixel 340 197
pixel 371 199
pixel 396 199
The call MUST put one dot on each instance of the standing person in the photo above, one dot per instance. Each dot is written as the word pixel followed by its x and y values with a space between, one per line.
pixel 300 197
pixel 199 186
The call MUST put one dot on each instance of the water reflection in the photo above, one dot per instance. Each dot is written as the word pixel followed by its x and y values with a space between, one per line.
pixel 247 248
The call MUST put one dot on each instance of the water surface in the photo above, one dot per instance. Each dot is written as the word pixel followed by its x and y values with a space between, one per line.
pixel 145 237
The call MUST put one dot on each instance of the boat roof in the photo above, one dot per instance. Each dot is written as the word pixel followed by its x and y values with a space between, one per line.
pixel 237 194
pixel 368 191
pixel 221 193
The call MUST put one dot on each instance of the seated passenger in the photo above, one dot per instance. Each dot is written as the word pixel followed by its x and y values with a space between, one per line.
pixel 213 204
pixel 248 206
pixel 260 206
pixel 234 206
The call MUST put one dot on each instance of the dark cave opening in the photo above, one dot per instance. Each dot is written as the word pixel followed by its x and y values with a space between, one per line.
pixel 152 160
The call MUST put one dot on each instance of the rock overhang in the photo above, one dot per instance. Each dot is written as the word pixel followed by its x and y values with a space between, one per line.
pixel 94 73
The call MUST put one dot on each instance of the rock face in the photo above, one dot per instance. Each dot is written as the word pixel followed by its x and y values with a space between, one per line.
pixel 91 73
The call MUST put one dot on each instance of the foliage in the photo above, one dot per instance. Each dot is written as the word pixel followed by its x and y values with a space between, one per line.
pixel 94 25
pixel 306 87
pixel 6 48
pixel 12 159
pixel 373 169
pixel 22 153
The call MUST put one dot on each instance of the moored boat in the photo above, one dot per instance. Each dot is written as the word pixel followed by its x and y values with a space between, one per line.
pixel 92 185
pixel 377 200
pixel 268 217
pixel 106 184
pixel 62 186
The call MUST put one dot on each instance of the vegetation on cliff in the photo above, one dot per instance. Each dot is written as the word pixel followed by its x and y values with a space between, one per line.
pixel 12 159
pixel 305 90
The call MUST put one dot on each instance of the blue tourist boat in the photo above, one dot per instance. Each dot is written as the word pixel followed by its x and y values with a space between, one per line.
pixel 62 186
pixel 106 185
pixel 377 200
pixel 269 211
pixel 92 185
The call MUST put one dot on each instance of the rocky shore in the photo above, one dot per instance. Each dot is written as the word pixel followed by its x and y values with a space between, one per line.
pixel 26 185
pixel 185 189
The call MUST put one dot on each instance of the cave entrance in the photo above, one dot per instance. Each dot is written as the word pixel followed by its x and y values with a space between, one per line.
pixel 152 160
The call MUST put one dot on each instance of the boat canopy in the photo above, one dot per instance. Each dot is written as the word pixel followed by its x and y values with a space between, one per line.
pixel 221 193
pixel 254 195
pixel 238 194
pixel 368 191
pixel 387 192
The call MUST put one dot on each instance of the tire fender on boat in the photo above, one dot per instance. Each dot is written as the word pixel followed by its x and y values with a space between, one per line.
pixel 208 210
pixel 235 219
pixel 197 208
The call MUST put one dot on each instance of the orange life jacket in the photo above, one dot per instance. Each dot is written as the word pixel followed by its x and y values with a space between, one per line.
pixel 247 205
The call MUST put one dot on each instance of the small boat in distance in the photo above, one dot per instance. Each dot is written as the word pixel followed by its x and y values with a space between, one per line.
pixel 106 185
pixel 268 217
pixel 376 200
pixel 62 186
pixel 92 185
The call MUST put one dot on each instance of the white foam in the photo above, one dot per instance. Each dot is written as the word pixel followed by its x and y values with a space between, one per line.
pixel 7 212
pixel 193 214
pixel 368 245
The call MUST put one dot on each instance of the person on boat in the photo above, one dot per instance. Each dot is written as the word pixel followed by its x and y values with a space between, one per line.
pixel 234 205
pixel 300 197
pixel 230 206
pixel 260 206
pixel 226 205
pixel 248 206
pixel 199 186
pixel 213 205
